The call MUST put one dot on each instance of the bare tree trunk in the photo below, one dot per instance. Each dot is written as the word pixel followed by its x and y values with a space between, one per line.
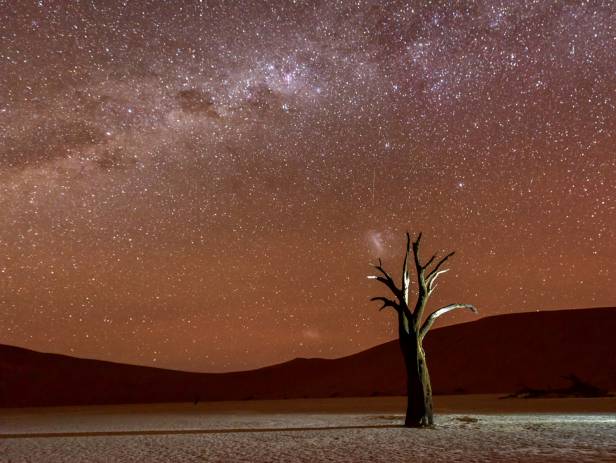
pixel 427 387
pixel 411 331
pixel 419 391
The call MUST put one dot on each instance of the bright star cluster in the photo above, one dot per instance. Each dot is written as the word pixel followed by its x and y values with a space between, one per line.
pixel 202 184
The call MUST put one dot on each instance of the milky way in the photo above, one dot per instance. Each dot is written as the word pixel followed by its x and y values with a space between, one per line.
pixel 202 185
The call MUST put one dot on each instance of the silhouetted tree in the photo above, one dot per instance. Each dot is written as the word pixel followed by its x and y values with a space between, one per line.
pixel 412 331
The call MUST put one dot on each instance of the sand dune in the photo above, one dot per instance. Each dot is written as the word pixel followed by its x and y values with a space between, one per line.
pixel 494 354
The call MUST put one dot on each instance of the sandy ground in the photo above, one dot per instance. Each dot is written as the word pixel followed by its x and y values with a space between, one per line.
pixel 469 428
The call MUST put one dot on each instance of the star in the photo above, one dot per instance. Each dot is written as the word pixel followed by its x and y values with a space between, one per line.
pixel 239 165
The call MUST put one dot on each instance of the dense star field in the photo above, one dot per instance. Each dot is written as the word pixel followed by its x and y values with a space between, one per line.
pixel 202 184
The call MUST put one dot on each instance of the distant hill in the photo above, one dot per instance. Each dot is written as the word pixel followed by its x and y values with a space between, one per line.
pixel 500 354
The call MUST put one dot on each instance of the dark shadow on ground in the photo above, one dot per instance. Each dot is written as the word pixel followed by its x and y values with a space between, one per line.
pixel 187 431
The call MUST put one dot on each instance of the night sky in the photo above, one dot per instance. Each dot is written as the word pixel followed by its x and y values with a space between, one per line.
pixel 203 184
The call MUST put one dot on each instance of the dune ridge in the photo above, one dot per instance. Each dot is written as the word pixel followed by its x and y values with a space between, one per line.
pixel 499 354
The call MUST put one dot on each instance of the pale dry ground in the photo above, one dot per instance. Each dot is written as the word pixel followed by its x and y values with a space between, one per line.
pixel 469 428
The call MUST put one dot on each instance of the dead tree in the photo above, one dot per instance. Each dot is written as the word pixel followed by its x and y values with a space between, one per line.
pixel 411 330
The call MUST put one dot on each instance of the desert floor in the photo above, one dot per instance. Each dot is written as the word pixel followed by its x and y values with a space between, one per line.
pixel 469 428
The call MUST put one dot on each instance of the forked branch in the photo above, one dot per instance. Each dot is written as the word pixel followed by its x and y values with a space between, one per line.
pixel 430 281
pixel 437 266
pixel 387 280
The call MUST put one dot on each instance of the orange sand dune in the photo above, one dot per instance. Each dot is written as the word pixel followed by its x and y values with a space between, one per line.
pixel 492 355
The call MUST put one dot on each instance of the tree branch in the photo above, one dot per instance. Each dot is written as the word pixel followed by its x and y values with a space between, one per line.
pixel 387 303
pixel 441 262
pixel 429 262
pixel 443 310
pixel 416 244
pixel 422 296
pixel 387 280
pixel 431 279
pixel 406 280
